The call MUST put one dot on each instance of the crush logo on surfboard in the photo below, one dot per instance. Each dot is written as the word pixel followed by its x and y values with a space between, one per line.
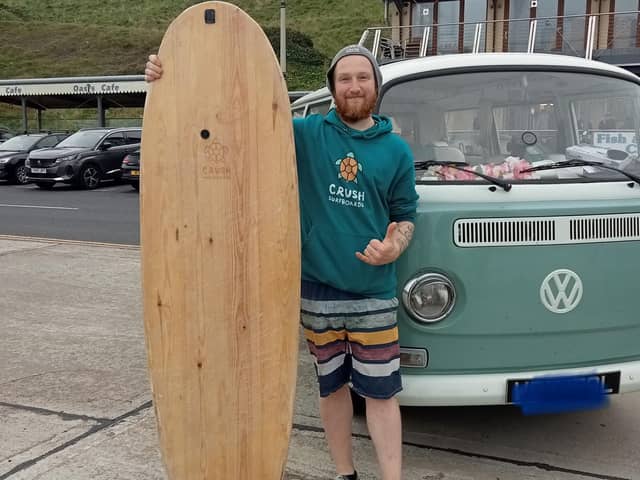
pixel 215 163
pixel 345 193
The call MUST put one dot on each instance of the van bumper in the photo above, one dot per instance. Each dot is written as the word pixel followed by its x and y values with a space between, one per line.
pixel 491 388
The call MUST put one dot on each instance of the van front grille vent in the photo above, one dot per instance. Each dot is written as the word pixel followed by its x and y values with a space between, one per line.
pixel 606 227
pixel 498 232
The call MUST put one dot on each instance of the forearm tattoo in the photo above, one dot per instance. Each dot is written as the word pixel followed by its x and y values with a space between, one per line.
pixel 405 229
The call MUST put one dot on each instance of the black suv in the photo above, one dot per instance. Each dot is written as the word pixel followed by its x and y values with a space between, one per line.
pixel 85 158
pixel 15 150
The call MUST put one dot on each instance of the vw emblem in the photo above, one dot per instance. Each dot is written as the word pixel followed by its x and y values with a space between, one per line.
pixel 561 291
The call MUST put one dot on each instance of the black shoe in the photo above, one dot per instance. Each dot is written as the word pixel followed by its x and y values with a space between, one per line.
pixel 353 476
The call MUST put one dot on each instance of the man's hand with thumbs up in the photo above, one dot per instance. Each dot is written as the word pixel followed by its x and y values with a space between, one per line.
pixel 395 242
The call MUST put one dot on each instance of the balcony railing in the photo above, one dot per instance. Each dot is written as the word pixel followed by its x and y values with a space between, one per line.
pixel 595 36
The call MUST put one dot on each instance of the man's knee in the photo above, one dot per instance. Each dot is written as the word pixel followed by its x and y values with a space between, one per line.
pixel 381 406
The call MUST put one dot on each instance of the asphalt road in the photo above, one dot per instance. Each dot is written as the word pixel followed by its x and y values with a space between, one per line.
pixel 108 214
pixel 440 443
pixel 75 402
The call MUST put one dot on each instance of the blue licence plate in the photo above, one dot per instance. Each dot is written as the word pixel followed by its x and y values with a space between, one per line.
pixel 555 394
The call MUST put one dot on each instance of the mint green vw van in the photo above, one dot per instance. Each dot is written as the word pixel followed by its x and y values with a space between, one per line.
pixel 525 260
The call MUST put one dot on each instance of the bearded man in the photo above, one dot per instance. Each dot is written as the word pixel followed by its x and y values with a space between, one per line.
pixel 357 203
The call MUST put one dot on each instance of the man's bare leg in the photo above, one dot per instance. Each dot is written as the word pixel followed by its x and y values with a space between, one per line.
pixel 336 412
pixel 385 428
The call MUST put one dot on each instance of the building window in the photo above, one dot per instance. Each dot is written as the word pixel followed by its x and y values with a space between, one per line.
pixel 573 30
pixel 561 25
pixel 625 25
pixel 449 18
pixel 547 30
pixel 422 15
pixel 519 13
pixel 474 12
pixel 445 17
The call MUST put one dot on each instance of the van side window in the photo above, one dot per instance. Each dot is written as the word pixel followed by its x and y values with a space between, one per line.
pixel 298 112
pixel 321 107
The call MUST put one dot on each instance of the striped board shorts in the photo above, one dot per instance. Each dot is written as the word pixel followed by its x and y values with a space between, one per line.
pixel 352 339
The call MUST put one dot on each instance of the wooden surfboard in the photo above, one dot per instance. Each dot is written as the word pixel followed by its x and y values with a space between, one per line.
pixel 220 249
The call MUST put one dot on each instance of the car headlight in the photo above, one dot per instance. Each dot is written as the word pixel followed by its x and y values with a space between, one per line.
pixel 429 297
pixel 68 158
pixel 5 160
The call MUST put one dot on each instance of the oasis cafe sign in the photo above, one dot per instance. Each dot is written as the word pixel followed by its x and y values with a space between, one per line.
pixel 70 88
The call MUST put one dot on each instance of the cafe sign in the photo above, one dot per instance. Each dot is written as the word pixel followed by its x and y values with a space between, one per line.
pixel 70 88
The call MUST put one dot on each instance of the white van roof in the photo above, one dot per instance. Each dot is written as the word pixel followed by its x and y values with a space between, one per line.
pixel 403 68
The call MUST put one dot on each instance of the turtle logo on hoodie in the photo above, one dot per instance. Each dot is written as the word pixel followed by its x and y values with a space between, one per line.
pixel 349 168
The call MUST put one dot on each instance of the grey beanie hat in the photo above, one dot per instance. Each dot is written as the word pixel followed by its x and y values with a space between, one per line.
pixel 354 50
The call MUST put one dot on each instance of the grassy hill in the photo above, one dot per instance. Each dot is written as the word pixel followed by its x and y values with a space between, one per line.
pixel 85 37
pixel 41 39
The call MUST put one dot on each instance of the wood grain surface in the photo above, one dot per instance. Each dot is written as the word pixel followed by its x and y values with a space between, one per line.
pixel 220 249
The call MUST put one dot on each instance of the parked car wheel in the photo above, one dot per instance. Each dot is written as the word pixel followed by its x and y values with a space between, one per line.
pixel 20 175
pixel 136 186
pixel 45 185
pixel 89 177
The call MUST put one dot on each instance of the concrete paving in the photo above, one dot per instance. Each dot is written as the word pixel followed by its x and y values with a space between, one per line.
pixel 75 402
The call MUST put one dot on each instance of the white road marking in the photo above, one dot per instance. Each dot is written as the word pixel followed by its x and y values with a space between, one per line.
pixel 110 188
pixel 38 206
pixel 61 241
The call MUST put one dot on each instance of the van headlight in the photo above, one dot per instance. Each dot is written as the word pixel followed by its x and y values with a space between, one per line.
pixel 429 297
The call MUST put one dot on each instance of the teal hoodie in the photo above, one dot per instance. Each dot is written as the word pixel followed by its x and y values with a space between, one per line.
pixel 352 185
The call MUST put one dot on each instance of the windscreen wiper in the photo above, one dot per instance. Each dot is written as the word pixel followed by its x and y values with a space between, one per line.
pixel 506 186
pixel 576 162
